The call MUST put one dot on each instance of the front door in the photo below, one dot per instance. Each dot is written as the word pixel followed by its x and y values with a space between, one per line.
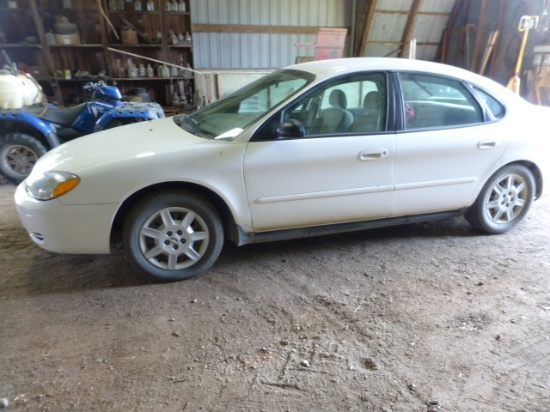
pixel 340 171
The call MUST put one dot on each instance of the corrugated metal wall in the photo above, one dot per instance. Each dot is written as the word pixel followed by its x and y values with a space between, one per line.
pixel 261 51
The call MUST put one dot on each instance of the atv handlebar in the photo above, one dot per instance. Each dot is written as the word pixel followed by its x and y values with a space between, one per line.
pixel 91 86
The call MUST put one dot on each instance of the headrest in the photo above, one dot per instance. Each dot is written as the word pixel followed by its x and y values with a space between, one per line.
pixel 338 99
pixel 371 100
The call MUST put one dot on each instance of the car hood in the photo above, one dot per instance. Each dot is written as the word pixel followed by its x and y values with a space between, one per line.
pixel 137 140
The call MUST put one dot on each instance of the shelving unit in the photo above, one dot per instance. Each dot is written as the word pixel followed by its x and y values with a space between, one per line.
pixel 63 62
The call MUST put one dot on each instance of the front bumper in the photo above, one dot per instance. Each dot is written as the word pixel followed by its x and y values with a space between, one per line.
pixel 62 228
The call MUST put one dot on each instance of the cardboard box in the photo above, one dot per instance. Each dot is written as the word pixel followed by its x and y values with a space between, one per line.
pixel 67 38
pixel 129 37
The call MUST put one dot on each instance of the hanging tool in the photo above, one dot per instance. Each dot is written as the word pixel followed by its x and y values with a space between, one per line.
pixel 526 23
pixel 488 50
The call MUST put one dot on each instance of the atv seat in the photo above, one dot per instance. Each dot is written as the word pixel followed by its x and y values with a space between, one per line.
pixel 64 116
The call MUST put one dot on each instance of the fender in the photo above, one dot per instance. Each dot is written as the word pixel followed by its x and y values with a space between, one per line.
pixel 34 122
pixel 141 111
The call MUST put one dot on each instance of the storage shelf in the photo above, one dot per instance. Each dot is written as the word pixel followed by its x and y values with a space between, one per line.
pixel 134 46
pixel 142 12
pixel 61 10
pixel 20 45
pixel 76 46
pixel 125 79
pixel 98 52
pixel 139 79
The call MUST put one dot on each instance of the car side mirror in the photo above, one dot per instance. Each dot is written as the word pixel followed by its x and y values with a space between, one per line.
pixel 291 129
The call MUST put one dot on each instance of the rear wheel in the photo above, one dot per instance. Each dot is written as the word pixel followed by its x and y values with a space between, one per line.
pixel 18 155
pixel 504 200
pixel 173 235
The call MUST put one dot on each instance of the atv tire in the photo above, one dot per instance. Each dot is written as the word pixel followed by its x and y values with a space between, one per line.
pixel 18 154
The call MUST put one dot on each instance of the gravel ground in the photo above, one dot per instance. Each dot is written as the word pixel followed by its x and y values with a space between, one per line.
pixel 423 317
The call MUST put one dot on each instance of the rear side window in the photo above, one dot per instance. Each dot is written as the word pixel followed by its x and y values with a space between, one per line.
pixel 437 102
pixel 496 108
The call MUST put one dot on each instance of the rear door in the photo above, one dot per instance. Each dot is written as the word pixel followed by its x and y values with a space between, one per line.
pixel 447 148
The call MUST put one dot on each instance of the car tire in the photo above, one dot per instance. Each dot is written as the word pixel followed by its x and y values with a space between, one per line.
pixel 18 155
pixel 504 200
pixel 173 235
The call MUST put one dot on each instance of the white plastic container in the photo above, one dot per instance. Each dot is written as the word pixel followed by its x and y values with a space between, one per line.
pixel 17 91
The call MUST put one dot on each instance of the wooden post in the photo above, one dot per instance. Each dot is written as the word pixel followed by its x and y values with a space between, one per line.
pixel 367 25
pixel 409 27
pixel 479 36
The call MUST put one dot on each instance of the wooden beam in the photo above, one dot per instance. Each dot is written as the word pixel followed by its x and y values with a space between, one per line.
pixel 398 43
pixel 367 25
pixel 410 26
pixel 246 28
pixel 496 51
pixel 447 33
pixel 420 13
pixel 479 36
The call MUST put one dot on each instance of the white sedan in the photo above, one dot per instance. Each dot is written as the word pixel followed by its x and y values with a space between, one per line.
pixel 316 148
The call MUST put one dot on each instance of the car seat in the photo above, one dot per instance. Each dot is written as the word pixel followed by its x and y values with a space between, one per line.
pixel 335 119
pixel 373 115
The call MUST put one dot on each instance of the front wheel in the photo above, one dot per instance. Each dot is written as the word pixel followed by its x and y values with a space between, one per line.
pixel 18 154
pixel 504 200
pixel 173 235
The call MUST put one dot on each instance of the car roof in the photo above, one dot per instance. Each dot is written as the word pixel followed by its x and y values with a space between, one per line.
pixel 353 64
pixel 329 68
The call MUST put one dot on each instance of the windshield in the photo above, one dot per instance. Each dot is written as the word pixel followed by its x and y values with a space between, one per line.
pixel 228 117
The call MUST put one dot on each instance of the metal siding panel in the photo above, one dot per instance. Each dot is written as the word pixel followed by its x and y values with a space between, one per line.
pixel 255 12
pixel 244 9
pixel 395 5
pixel 437 6
pixel 200 13
pixel 213 11
pixel 426 52
pixel 264 14
pixel 199 44
pixel 388 27
pixel 285 11
pixel 266 50
pixel 224 15
pixel 343 14
pixel 256 56
pixel 375 50
pixel 225 44
pixel 429 28
pixel 322 13
pixel 253 50
pixel 304 14
pixel 274 14
pixel 245 51
pixel 235 50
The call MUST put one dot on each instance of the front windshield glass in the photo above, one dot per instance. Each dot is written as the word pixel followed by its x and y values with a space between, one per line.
pixel 228 117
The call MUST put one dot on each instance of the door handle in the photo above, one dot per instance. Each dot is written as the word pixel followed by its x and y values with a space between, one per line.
pixel 373 154
pixel 487 144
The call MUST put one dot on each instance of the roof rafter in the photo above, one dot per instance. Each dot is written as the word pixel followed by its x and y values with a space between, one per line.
pixel 410 26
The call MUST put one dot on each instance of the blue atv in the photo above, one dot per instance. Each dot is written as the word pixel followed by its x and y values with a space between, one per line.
pixel 27 132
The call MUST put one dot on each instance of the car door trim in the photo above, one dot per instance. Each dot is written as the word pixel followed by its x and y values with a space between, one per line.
pixel 436 183
pixel 327 194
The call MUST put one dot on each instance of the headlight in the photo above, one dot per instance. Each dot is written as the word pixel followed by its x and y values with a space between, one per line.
pixel 49 185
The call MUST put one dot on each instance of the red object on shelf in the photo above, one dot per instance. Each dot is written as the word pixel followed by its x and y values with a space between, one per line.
pixel 330 44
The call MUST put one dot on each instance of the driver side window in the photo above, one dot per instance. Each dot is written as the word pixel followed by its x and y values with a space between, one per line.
pixel 351 106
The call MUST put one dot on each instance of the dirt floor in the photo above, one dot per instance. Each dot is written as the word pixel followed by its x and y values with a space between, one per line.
pixel 424 317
